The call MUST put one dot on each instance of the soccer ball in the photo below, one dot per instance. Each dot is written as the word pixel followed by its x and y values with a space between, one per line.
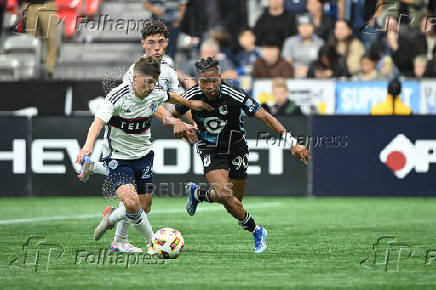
pixel 168 243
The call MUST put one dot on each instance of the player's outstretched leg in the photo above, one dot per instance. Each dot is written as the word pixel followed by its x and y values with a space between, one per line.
pixel 89 167
pixel 220 191
pixel 121 243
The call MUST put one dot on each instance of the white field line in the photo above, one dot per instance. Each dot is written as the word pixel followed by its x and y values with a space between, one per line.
pixel 161 211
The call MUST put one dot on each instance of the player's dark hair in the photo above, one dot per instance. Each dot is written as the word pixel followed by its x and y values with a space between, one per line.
pixel 206 64
pixel 153 27
pixel 147 65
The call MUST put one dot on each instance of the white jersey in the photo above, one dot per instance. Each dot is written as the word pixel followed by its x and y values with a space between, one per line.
pixel 167 81
pixel 128 121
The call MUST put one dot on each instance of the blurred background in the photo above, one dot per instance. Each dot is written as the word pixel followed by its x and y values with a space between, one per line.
pixel 321 67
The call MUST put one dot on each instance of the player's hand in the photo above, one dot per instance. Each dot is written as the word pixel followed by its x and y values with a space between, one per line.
pixel 301 152
pixel 185 131
pixel 83 152
pixel 197 105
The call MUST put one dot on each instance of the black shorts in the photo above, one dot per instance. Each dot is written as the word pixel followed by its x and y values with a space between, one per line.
pixel 236 162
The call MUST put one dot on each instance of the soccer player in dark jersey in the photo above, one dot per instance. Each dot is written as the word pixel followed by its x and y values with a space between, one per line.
pixel 222 145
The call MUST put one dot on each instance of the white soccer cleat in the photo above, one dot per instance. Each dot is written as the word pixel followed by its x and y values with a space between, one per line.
pixel 150 250
pixel 104 225
pixel 125 247
pixel 86 169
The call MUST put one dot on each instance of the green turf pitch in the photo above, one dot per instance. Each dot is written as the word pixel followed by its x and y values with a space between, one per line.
pixel 312 244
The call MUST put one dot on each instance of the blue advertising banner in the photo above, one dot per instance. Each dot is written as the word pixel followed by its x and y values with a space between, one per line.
pixel 389 156
pixel 358 97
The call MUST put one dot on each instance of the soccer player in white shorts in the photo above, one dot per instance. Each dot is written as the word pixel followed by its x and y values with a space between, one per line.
pixel 127 112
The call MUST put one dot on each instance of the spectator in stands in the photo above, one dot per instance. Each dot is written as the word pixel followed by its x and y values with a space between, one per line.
pixel 276 22
pixel 40 23
pixel 381 51
pixel 246 58
pixel 221 36
pixel 427 26
pixel 283 106
pixel 296 6
pixel 420 65
pixel 430 70
pixel 208 49
pixel 403 53
pixel 393 104
pixel 302 50
pixel 368 71
pixel 271 63
pixel 323 23
pixel 329 64
pixel 347 45
pixel 173 12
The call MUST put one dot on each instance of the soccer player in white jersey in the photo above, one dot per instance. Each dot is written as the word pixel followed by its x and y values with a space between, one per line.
pixel 127 112
pixel 154 41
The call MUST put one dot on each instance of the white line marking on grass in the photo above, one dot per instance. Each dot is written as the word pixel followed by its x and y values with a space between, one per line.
pixel 162 211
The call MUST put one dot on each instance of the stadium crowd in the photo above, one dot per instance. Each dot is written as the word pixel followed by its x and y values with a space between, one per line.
pixel 321 39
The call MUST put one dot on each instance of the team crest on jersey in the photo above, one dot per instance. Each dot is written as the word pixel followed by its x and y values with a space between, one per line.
pixel 223 109
pixel 113 164
pixel 153 107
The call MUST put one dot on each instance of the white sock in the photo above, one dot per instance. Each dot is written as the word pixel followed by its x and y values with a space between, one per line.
pixel 117 215
pixel 122 231
pixel 100 168
pixel 141 224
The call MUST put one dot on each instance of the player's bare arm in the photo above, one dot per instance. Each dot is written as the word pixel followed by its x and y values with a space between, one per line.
pixel 299 151
pixel 195 105
pixel 181 129
pixel 94 131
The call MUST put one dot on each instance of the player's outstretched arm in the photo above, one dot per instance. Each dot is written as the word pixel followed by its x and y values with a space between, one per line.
pixel 195 105
pixel 181 129
pixel 94 131
pixel 299 151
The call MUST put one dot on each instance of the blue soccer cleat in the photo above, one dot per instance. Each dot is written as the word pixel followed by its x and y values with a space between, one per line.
pixel 191 201
pixel 85 169
pixel 259 239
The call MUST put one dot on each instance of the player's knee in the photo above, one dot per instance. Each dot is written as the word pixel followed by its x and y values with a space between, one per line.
pixel 131 204
pixel 146 206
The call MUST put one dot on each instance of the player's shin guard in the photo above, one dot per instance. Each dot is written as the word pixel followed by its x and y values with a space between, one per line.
pixel 248 223
pixel 121 233
pixel 203 193
pixel 140 221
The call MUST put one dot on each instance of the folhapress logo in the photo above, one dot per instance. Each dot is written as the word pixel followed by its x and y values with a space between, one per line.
pixel 401 156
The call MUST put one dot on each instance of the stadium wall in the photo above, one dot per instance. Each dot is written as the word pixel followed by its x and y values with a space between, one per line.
pixel 37 159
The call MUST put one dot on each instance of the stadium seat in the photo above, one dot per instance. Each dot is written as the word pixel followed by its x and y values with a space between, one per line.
pixel 26 50
pixel 68 10
pixel 9 68
pixel 91 7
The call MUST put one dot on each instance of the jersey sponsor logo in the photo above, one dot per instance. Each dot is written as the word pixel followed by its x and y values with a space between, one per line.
pixel 214 125
pixel 131 126
pixel 401 155
pixel 223 110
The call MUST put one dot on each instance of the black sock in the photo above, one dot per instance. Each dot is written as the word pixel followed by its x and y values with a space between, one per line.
pixel 248 223
pixel 203 193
